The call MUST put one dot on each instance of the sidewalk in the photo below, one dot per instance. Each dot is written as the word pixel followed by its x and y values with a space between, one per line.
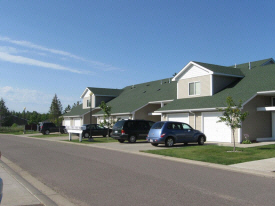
pixel 14 193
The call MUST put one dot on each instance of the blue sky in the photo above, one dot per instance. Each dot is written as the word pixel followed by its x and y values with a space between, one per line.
pixel 62 47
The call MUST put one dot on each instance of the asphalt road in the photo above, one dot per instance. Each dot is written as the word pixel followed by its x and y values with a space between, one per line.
pixel 93 176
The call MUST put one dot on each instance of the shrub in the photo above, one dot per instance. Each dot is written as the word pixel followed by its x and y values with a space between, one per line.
pixel 247 141
pixel 14 125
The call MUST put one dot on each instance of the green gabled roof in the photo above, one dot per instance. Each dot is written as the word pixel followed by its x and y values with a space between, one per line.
pixel 136 96
pixel 221 69
pixel 259 78
pixel 76 111
pixel 105 91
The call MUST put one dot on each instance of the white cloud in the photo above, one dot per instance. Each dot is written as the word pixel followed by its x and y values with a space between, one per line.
pixel 95 64
pixel 28 61
pixel 34 100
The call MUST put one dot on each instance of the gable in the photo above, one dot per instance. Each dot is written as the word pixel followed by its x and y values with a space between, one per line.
pixel 193 71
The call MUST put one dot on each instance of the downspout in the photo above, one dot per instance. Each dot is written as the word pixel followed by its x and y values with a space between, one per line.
pixel 194 118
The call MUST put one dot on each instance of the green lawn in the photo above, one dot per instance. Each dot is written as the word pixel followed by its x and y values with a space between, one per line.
pixel 50 135
pixel 96 140
pixel 218 154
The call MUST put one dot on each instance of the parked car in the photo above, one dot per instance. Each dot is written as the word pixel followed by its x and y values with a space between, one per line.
pixel 169 133
pixel 49 127
pixel 97 130
pixel 131 130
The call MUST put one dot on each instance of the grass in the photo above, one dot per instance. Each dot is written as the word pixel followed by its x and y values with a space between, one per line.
pixel 96 140
pixel 50 135
pixel 218 154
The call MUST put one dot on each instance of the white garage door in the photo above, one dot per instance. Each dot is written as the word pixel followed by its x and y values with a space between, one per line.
pixel 214 131
pixel 77 123
pixel 67 122
pixel 179 117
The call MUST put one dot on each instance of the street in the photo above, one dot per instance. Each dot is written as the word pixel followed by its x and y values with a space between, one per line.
pixel 92 176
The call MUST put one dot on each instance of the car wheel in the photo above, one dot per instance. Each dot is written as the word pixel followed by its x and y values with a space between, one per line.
pixel 121 140
pixel 169 142
pixel 154 144
pixel 43 133
pixel 201 140
pixel 47 132
pixel 86 135
pixel 185 143
pixel 132 139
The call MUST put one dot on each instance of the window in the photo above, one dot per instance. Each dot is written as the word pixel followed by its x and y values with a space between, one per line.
pixel 174 126
pixel 158 125
pixel 186 126
pixel 194 88
pixel 88 103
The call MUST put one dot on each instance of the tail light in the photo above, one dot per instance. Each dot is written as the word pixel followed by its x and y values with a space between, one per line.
pixel 162 135
pixel 122 131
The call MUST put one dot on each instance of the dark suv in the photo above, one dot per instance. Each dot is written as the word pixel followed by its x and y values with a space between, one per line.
pixel 48 127
pixel 131 130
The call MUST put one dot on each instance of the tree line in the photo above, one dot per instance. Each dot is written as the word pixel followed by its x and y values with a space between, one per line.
pixel 7 117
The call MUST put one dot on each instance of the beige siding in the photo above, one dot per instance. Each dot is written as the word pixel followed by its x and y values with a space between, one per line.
pixel 183 86
pixel 86 119
pixel 257 124
pixel 143 113
pixel 198 121
pixel 85 106
pixel 220 82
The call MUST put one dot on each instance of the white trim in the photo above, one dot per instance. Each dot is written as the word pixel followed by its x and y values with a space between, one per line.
pixel 153 114
pixel 176 78
pixel 187 110
pixel 161 101
pixel 267 92
pixel 84 93
pixel 211 85
pixel 263 109
pixel 114 114
pixel 192 95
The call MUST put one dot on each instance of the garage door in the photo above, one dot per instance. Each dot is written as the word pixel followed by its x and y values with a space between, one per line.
pixel 77 123
pixel 179 117
pixel 67 122
pixel 214 131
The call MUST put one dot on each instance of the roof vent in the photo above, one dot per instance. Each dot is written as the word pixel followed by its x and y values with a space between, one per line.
pixel 133 86
pixel 249 66
pixel 144 91
pixel 161 82
pixel 148 85
pixel 169 81
pixel 235 65
pixel 158 90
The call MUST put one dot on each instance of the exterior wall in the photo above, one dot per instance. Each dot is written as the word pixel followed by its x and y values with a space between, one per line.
pixel 85 101
pixel 220 82
pixel 86 118
pixel 257 124
pixel 183 87
pixel 143 113
pixel 198 121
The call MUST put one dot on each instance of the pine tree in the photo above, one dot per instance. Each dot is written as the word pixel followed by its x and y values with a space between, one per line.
pixel 56 111
pixel 5 116
pixel 67 109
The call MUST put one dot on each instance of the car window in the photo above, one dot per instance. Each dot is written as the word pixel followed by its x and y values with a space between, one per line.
pixel 119 124
pixel 186 126
pixel 130 125
pixel 151 124
pixel 157 125
pixel 175 126
pixel 143 125
pixel 93 126
pixel 99 127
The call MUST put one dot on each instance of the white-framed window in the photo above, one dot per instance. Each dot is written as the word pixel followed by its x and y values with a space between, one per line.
pixel 88 103
pixel 194 88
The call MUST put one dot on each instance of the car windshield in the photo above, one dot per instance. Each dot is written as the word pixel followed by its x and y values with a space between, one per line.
pixel 158 125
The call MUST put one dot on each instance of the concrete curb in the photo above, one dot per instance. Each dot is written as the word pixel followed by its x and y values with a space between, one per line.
pixel 39 190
